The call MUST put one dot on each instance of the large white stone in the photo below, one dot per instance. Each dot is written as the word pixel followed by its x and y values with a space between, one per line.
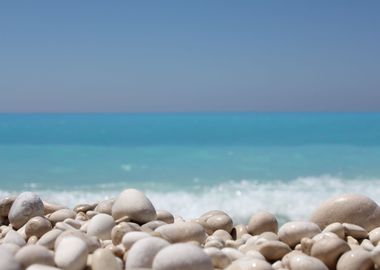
pixel 142 253
pixel 26 206
pixel 71 254
pixel 182 256
pixel 134 204
pixel 34 254
pixel 292 232
pixel 182 232
pixel 101 226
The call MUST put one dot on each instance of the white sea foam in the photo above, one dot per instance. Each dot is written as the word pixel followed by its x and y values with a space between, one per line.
pixel 287 199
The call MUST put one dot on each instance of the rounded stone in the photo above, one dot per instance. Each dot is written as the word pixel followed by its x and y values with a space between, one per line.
pixel 134 204
pixel 14 237
pixel 121 229
pixel 5 205
pixel 292 232
pixel 249 264
pixel 105 206
pixel 273 250
pixel 374 236
pixel 47 240
pixel 349 208
pixel 216 220
pixel 37 226
pixel 302 262
pixel 71 254
pixel 182 256
pixel 142 253
pixel 328 250
pixel 132 237
pixel 41 267
pixel 51 207
pixel 104 259
pixel 92 242
pixel 238 231
pixel 354 231
pixel 61 214
pixel 165 216
pixel 219 259
pixel 336 228
pixel 26 206
pixel 34 254
pixel 355 259
pixel 182 232
pixel 262 222
pixel 8 262
pixel 101 226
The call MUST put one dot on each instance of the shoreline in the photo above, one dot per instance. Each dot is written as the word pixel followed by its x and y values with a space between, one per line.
pixel 128 232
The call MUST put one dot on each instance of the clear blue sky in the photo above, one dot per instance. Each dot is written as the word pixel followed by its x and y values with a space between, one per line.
pixel 114 56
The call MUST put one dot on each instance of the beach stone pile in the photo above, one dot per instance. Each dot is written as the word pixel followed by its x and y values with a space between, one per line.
pixel 129 233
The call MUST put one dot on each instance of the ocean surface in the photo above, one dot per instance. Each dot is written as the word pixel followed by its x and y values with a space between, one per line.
pixel 188 163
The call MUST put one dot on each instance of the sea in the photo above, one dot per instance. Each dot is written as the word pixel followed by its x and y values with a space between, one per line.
pixel 189 163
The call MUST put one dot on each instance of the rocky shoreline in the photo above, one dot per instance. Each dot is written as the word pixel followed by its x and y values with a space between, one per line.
pixel 129 233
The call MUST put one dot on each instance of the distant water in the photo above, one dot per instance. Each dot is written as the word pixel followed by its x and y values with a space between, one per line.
pixel 286 163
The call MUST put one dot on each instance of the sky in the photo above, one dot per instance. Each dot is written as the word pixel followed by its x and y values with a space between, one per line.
pixel 184 56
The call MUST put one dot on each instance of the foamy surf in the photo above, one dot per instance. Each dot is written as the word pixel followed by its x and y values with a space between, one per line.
pixel 288 200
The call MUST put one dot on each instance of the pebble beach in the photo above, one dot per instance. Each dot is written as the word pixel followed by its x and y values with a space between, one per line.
pixel 128 232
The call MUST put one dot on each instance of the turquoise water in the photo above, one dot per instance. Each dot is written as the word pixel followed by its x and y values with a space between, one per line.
pixel 189 163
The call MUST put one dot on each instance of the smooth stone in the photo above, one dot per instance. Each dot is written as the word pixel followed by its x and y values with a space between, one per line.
pixel 34 254
pixel 273 250
pixel 142 253
pixel 134 204
pixel 152 225
pixel 324 235
pixel 232 253
pixel 374 236
pixel 37 226
pixel 349 208
pixel 74 223
pixel 336 228
pixel 61 215
pixel 71 254
pixel 14 238
pixel 375 255
pixel 41 267
pixel 101 226
pixel 104 259
pixel 182 256
pixel 92 242
pixel 48 239
pixel 367 245
pixel 355 231
pixel 182 232
pixel 292 232
pixel 13 248
pixel 132 237
pixel 165 216
pixel 303 262
pixel 51 207
pixel 105 206
pixel 26 206
pixel 219 259
pixel 121 229
pixel 238 231
pixel 84 208
pixel 262 222
pixel 249 264
pixel 255 255
pixel 214 243
pixel 7 261
pixel 223 235
pixel 216 220
pixel 269 236
pixel 328 250
pixel 354 260
pixel 5 205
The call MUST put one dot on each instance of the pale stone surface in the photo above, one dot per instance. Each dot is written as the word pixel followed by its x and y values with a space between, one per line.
pixel 15 238
pixel 41 267
pixel 216 220
pixel 355 231
pixel 48 239
pixel 303 262
pixel 250 264
pixel 7 260
pixel 37 226
pixel 182 256
pixel 328 250
pixel 142 253
pixel 26 206
pixel 374 236
pixel 92 242
pixel 165 216
pixel 336 228
pixel 292 232
pixel 104 259
pixel 238 231
pixel 71 254
pixel 61 215
pixel 132 237
pixel 105 207
pixel 34 254
pixel 121 229
pixel 182 232
pixel 219 259
pixel 349 208
pixel 134 204
pixel 262 222
pixel 101 226
pixel 375 255
pixel 5 205
pixel 273 250
pixel 354 260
